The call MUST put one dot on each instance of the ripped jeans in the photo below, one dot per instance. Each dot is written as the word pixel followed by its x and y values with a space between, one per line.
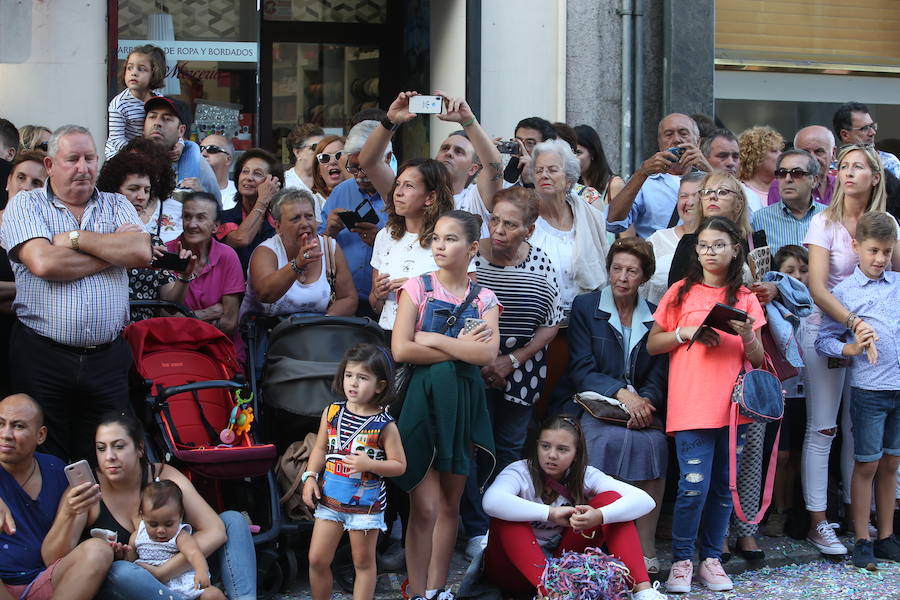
pixel 703 494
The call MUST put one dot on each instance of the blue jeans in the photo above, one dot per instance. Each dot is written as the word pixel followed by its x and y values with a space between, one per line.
pixel 703 493
pixel 875 415
pixel 510 424
pixel 234 563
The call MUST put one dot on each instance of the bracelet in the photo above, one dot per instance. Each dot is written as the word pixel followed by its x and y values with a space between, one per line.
pixel 307 474
pixel 186 279
pixel 514 361
pixel 678 337
pixel 390 125
pixel 471 121
pixel 296 268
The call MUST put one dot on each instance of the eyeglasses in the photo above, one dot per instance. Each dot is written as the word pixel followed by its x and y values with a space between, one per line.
pixel 354 170
pixel 870 128
pixel 795 173
pixel 305 146
pixel 213 149
pixel 713 249
pixel 721 192
pixel 42 146
pixel 325 158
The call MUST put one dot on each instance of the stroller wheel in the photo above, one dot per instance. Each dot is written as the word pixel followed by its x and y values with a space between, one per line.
pixel 287 560
pixel 269 575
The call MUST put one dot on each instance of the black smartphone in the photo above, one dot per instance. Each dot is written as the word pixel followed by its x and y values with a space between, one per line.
pixel 512 171
pixel 170 261
pixel 352 217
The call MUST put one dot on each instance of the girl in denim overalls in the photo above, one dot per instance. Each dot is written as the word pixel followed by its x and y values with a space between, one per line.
pixel 444 412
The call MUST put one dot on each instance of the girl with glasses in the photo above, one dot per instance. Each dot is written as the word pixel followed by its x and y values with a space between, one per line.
pixel 700 385
pixel 303 141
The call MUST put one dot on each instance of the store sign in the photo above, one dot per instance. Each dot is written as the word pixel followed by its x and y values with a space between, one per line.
pixel 178 50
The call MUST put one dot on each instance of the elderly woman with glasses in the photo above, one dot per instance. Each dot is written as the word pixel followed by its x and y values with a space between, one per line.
pixel 570 231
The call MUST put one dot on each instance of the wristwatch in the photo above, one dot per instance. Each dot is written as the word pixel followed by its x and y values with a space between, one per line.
pixel 390 125
pixel 73 239
pixel 307 474
pixel 515 361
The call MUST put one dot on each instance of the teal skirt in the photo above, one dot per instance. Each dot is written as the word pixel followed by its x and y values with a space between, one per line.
pixel 444 415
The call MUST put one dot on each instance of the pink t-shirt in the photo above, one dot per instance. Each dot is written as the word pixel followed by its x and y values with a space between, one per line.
pixel 221 276
pixel 701 379
pixel 485 300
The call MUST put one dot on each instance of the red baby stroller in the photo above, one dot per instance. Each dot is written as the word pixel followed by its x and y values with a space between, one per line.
pixel 190 382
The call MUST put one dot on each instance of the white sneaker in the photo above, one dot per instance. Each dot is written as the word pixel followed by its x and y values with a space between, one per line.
pixel 651 593
pixel 444 595
pixel 826 540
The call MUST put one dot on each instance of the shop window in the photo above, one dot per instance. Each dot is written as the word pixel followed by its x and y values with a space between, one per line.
pixel 326 11
pixel 212 52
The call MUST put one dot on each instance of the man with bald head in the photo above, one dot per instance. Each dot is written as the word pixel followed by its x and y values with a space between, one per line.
pixel 818 141
pixel 219 153
pixel 648 199
pixel 32 487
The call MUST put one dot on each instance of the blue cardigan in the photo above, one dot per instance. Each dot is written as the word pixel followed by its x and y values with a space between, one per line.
pixel 597 357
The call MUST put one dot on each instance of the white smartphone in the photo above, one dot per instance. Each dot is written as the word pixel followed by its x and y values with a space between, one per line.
pixel 79 472
pixel 429 105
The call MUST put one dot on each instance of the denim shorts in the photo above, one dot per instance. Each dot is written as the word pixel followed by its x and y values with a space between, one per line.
pixel 875 415
pixel 352 521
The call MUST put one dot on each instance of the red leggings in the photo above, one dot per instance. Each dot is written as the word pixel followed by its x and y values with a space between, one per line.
pixel 514 561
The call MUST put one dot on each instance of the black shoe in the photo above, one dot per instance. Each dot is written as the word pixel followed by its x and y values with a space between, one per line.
pixel 750 554
pixel 888 548
pixel 863 555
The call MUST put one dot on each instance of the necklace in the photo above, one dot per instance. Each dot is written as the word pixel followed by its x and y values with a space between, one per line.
pixel 30 475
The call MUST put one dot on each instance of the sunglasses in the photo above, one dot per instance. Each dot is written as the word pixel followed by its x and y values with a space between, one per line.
pixel 213 149
pixel 721 192
pixel 325 158
pixel 42 146
pixel 795 173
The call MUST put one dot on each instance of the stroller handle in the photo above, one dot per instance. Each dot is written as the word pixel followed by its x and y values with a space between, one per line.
pixel 167 392
pixel 176 306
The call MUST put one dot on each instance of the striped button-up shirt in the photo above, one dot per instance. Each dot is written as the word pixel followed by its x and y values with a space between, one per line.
pixel 877 302
pixel 83 312
pixel 782 227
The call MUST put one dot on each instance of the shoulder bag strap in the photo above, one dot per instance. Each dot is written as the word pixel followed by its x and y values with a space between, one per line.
pixel 558 488
pixel 330 277
pixel 673 220
pixel 473 293
pixel 733 472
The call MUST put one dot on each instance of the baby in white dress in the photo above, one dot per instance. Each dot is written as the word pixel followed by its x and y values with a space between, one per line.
pixel 161 534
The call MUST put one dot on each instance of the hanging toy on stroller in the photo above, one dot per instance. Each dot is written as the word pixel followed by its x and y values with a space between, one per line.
pixel 240 419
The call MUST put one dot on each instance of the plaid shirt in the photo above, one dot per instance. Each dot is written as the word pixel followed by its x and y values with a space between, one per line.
pixel 83 312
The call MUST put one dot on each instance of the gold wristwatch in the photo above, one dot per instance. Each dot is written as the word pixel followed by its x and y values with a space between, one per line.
pixel 73 239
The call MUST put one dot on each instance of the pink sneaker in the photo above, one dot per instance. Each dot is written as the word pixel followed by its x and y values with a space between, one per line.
pixel 712 575
pixel 679 580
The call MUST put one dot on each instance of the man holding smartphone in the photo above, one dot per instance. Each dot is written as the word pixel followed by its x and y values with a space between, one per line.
pixel 32 486
pixel 648 199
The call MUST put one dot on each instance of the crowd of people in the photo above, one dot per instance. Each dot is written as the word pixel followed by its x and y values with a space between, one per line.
pixel 545 316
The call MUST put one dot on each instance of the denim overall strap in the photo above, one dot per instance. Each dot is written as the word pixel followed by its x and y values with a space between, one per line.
pixel 474 290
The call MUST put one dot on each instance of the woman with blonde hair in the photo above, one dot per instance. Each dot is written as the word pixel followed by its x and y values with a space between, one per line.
pixel 760 147
pixel 860 189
